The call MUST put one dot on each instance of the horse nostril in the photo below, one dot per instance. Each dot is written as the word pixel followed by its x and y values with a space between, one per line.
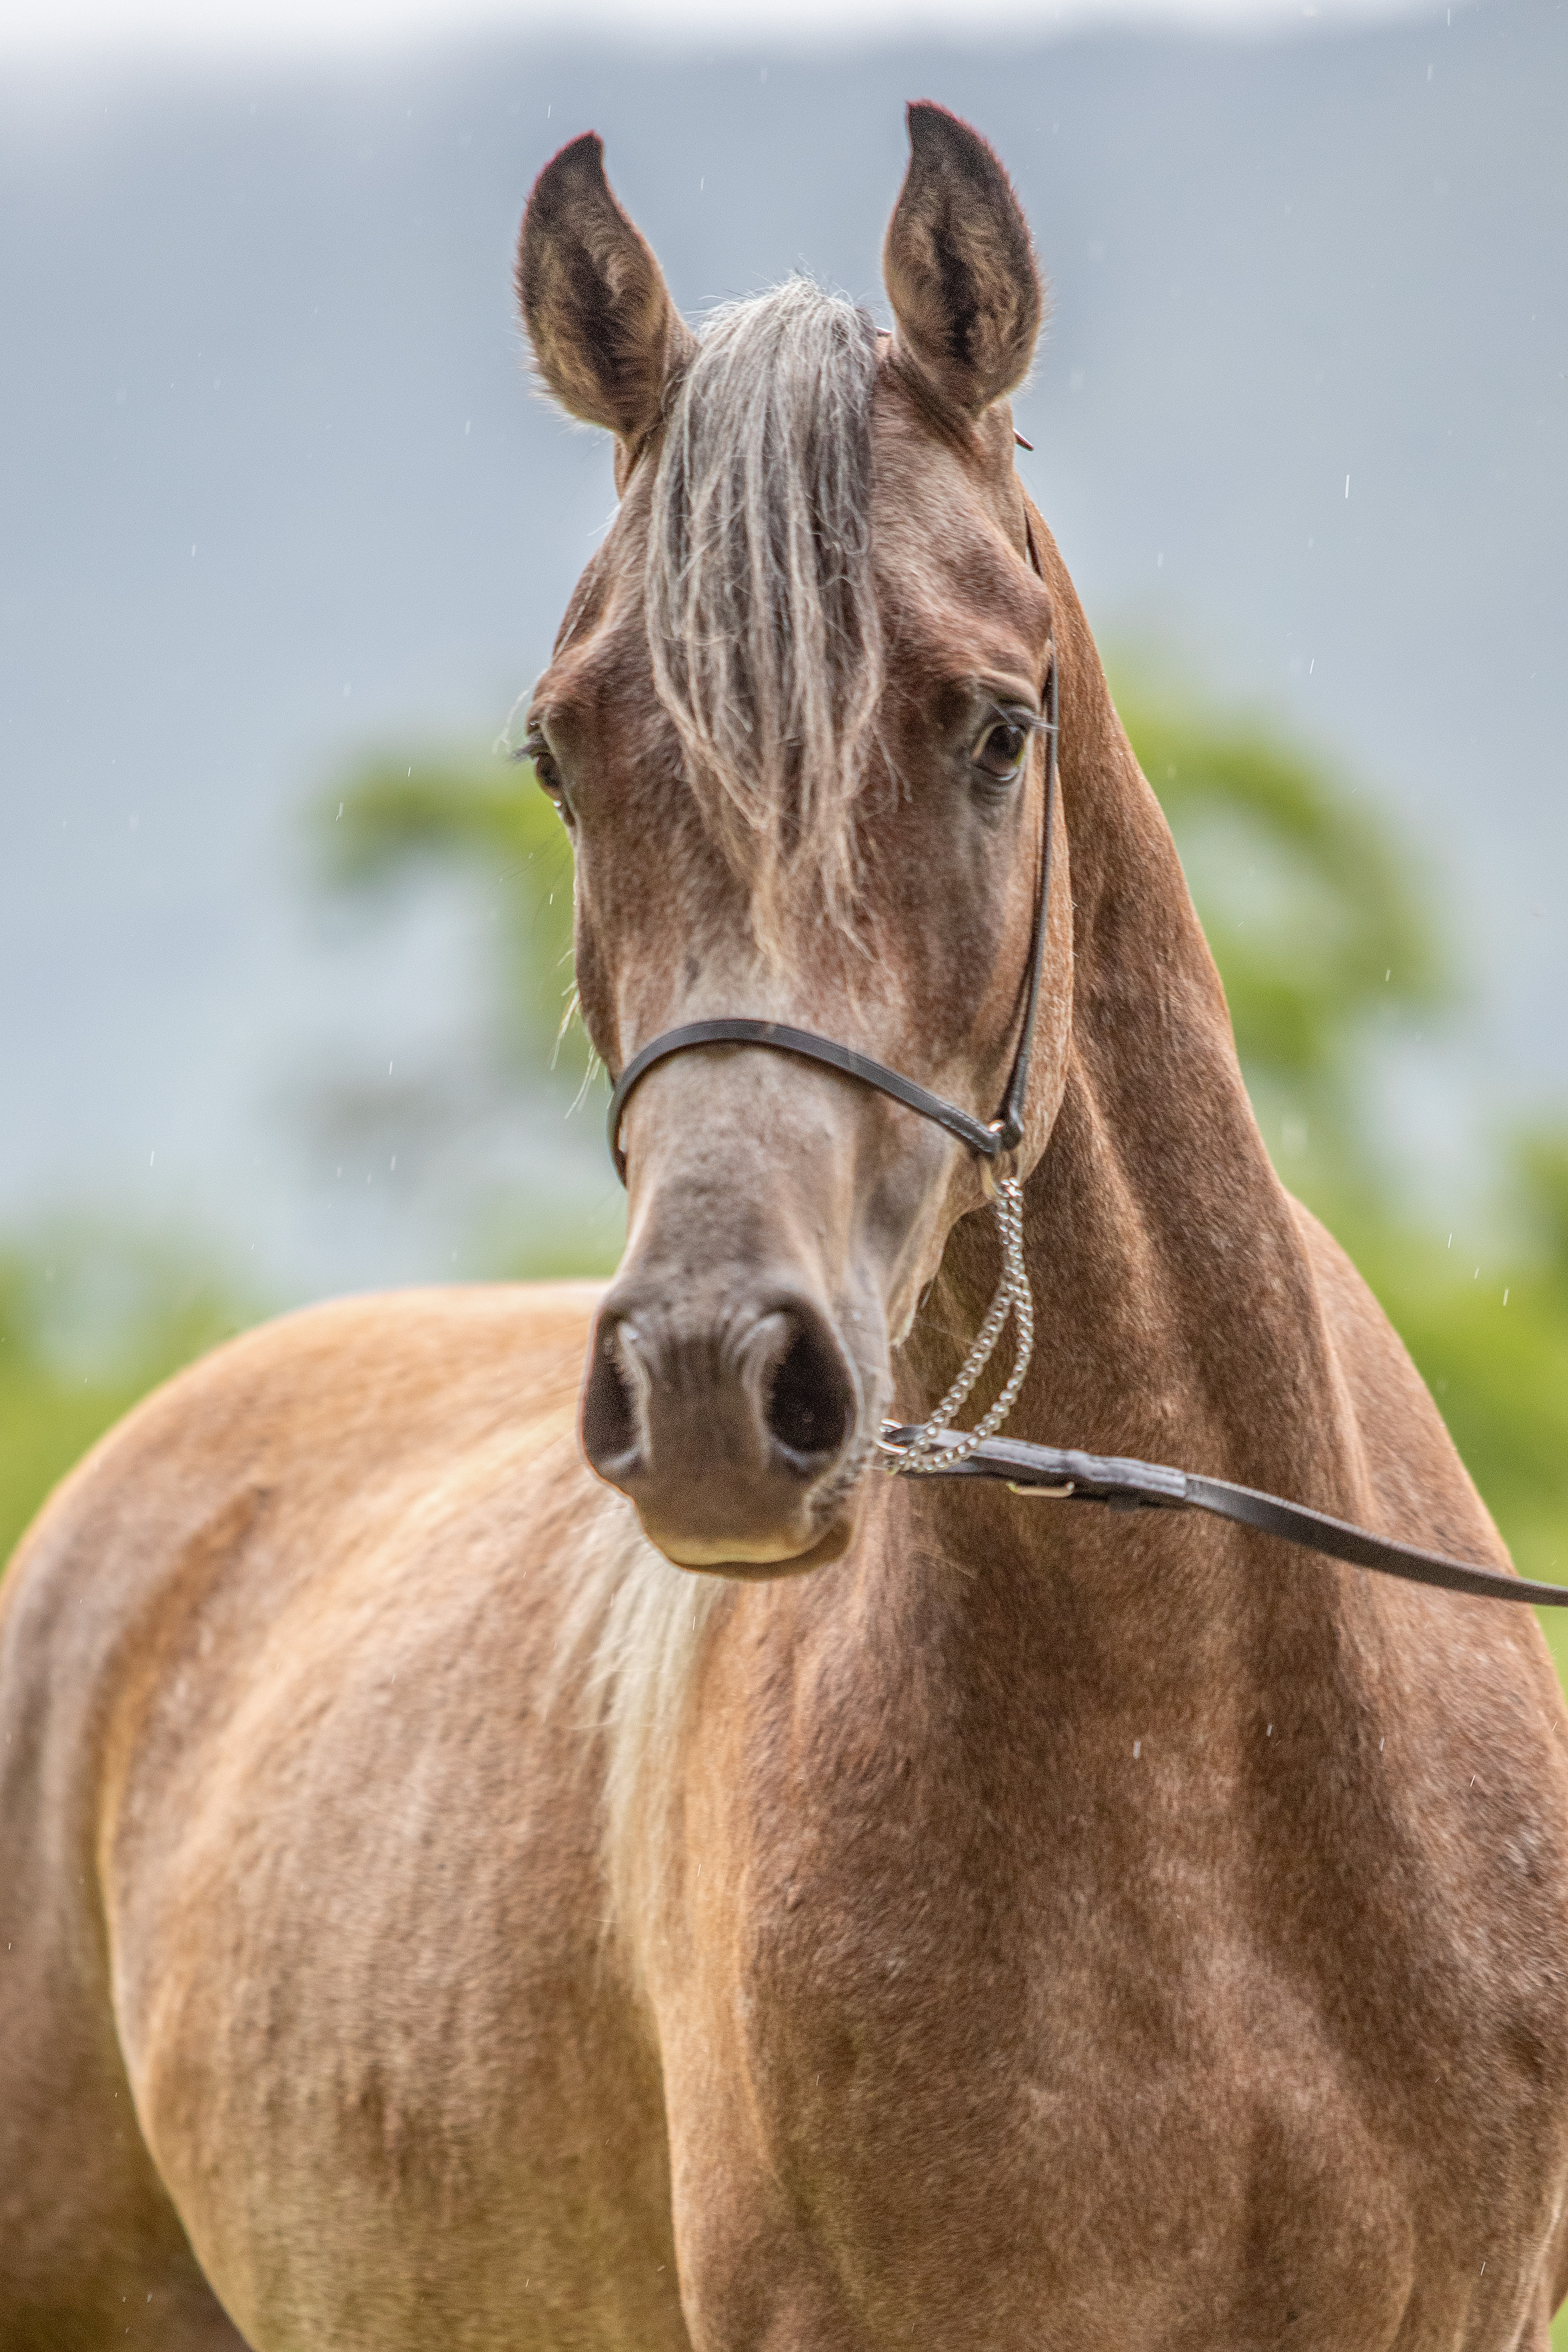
pixel 811 1406
pixel 611 1418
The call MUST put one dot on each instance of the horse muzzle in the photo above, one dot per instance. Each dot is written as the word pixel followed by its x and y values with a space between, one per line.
pixel 733 1424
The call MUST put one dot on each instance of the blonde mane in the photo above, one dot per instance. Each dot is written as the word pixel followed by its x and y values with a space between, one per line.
pixel 626 1662
pixel 761 607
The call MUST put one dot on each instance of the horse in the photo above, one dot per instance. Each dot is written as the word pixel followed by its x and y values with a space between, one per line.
pixel 496 1854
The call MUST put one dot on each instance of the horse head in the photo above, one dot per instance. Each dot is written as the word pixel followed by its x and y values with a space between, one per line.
pixel 793 723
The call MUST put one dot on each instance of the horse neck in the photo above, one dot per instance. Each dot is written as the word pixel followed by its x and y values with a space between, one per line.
pixel 1178 1315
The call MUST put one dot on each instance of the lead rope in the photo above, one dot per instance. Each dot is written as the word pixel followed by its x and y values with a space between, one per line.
pixel 935 1445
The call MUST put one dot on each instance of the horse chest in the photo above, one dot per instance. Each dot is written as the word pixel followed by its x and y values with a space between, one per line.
pixel 962 2144
pixel 1094 2049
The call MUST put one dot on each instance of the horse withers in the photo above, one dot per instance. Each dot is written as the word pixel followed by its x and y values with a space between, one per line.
pixel 742 1902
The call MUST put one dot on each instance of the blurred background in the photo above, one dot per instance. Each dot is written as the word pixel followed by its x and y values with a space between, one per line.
pixel 284 534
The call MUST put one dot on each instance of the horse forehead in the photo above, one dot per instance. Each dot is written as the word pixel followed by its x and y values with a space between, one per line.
pixel 950 547
pixel 960 604
pixel 953 581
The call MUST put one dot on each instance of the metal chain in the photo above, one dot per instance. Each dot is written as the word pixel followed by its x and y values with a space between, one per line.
pixel 935 1445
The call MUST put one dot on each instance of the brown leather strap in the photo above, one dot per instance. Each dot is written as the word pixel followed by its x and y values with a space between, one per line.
pixel 737 1030
pixel 1068 1475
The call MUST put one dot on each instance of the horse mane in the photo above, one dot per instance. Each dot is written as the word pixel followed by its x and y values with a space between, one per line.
pixel 760 600
pixel 626 1660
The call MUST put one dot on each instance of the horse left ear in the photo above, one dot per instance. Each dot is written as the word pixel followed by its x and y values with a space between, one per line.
pixel 605 331
pixel 959 266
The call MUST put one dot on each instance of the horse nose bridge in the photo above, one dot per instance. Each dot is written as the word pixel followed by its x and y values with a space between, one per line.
pixel 730 1124
pixel 717 1226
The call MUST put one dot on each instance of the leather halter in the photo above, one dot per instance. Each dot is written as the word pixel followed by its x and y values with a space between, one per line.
pixel 1061 1473
pixel 988 1140
pixel 1048 1471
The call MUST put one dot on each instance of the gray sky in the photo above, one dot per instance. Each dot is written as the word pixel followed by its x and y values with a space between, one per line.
pixel 276 499
pixel 80 31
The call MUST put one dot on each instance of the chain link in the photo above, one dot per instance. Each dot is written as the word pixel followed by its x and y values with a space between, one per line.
pixel 935 1445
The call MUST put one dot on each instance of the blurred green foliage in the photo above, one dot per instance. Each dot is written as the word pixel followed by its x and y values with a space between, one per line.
pixel 387 832
pixel 1491 1342
pixel 394 823
pixel 1310 906
pixel 1318 918
pixel 91 1319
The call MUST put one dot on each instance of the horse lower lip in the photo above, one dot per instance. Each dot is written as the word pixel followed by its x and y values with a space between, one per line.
pixel 687 1552
pixel 755 1562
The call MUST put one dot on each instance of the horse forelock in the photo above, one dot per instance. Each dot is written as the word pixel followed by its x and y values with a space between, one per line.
pixel 760 592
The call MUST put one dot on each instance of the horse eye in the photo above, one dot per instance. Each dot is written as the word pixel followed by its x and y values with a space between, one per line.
pixel 999 751
pixel 538 752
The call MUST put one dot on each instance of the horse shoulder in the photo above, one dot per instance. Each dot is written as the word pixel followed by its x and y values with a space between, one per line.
pixel 225 1489
pixel 1472 1733
pixel 296 1652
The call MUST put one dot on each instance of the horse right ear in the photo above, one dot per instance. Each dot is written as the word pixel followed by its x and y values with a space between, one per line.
pixel 605 334
pixel 959 267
